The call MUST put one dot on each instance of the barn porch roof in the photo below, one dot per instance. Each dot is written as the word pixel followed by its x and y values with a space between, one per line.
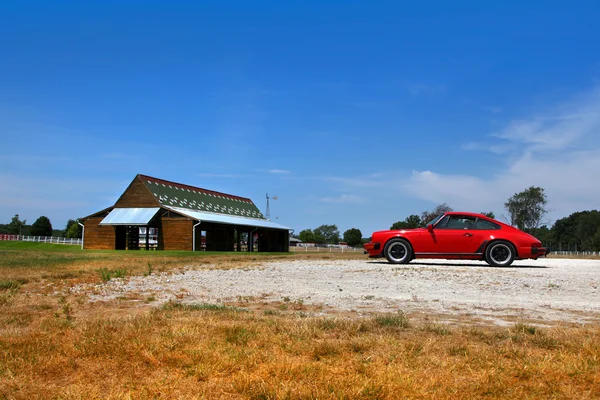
pixel 130 216
pixel 226 219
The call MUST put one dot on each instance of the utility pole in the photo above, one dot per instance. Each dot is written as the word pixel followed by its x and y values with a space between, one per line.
pixel 268 213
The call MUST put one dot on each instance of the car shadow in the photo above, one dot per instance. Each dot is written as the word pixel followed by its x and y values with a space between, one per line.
pixel 471 264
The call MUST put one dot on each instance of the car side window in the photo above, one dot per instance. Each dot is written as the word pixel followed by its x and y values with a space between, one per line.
pixel 442 223
pixel 483 224
pixel 456 222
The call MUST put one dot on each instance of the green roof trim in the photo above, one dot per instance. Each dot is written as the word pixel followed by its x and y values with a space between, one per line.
pixel 179 195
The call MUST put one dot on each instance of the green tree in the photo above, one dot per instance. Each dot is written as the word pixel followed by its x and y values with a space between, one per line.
pixel 327 234
pixel 564 232
pixel 489 214
pixel 353 237
pixel 41 227
pixel 307 236
pixel 16 225
pixel 544 234
pixel 577 231
pixel 527 208
pixel 428 216
pixel 73 229
pixel 410 222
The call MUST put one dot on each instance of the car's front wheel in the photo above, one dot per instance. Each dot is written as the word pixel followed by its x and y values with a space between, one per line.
pixel 398 251
pixel 500 254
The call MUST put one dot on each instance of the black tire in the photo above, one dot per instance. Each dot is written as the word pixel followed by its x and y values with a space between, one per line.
pixel 398 251
pixel 500 254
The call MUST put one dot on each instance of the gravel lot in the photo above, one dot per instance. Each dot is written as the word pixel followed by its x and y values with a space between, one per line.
pixel 543 291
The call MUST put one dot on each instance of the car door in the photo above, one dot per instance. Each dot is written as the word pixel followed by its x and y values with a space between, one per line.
pixel 452 235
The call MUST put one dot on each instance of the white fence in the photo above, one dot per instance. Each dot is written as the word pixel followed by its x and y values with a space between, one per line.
pixel 315 249
pixel 41 239
pixel 575 253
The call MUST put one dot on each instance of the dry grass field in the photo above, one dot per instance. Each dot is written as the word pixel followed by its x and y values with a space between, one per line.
pixel 57 345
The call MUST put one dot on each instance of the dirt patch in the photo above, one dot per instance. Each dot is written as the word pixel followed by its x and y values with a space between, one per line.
pixel 542 291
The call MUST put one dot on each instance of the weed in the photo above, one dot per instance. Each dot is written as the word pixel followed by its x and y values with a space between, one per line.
pixel 12 284
pixel 325 349
pixel 173 305
pixel 150 270
pixel 298 304
pixel 398 320
pixel 238 335
pixel 64 309
pixel 326 323
pixel 439 329
pixel 271 312
pixel 524 328
pixel 6 297
pixel 458 350
pixel 106 274
pixel 150 299
pixel 553 286
pixel 120 273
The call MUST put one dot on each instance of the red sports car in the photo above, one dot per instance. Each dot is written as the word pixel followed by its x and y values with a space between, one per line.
pixel 457 236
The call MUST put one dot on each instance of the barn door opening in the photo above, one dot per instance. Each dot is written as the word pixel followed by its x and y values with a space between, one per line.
pixel 127 237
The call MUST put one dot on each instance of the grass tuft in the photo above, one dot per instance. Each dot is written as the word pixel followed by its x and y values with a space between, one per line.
pixel 106 274
pixel 174 306
pixel 11 284
pixel 389 320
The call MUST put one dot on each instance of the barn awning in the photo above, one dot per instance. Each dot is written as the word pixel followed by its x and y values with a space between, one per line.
pixel 130 216
pixel 227 219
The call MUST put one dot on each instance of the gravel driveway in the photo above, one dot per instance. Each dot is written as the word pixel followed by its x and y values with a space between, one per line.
pixel 546 290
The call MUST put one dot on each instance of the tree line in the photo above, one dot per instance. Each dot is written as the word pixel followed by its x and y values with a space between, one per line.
pixel 41 227
pixel 525 210
pixel 329 234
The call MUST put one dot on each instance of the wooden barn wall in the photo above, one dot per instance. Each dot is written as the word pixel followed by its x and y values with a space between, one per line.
pixel 175 234
pixel 98 237
pixel 137 195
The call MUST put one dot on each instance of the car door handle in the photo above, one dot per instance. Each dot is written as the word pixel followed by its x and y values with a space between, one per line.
pixel 468 234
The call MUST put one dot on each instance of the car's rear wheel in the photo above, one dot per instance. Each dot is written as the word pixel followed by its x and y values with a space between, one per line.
pixel 500 254
pixel 398 251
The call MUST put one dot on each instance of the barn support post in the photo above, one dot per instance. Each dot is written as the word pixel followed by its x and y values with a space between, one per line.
pixel 251 239
pixel 82 233
pixel 194 235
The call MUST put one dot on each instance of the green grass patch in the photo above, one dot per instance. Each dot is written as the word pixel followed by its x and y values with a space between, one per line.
pixel 11 284
pixel 173 305
pixel 107 274
pixel 388 320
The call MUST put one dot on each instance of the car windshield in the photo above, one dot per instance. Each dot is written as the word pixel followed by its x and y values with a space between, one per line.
pixel 435 220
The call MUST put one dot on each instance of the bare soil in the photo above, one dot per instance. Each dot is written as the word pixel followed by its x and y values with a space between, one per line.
pixel 544 291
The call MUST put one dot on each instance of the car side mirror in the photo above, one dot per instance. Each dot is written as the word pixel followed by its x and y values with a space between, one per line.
pixel 430 228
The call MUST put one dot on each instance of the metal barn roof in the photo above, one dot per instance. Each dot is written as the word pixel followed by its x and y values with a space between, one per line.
pixel 171 194
pixel 130 216
pixel 226 219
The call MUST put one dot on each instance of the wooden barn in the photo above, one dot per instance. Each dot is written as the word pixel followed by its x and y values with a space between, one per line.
pixel 156 214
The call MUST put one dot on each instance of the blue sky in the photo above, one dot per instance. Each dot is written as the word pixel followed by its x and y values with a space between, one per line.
pixel 353 113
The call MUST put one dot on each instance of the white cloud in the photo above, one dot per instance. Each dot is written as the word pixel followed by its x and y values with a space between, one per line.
pixel 558 151
pixel 278 171
pixel 568 126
